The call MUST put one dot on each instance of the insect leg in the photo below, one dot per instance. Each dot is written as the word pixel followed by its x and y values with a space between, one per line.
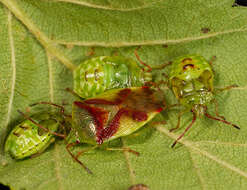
pixel 73 93
pixel 217 119
pixel 216 110
pixel 75 158
pixel 127 149
pixel 212 60
pixel 55 105
pixel 86 150
pixel 162 66
pixel 178 122
pixel 139 59
pixel 40 126
pixel 192 122
pixel 217 90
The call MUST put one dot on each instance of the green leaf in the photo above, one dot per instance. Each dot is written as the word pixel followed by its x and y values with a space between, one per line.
pixel 42 41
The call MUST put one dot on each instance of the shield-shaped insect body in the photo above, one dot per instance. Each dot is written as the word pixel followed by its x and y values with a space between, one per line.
pixel 27 139
pixel 99 74
pixel 115 113
pixel 191 80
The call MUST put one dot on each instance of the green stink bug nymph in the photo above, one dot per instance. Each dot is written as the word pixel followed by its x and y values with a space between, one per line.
pixel 191 80
pixel 99 74
pixel 27 139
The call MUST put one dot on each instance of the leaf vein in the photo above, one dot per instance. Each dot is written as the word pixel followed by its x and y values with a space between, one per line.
pixel 40 36
pixel 13 64
pixel 131 170
pixel 193 147
pixel 148 42
pixel 56 152
pixel 202 182
pixel 91 5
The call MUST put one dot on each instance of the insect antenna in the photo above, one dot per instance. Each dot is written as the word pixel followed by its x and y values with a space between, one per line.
pixel 139 59
pixel 192 122
pixel 55 105
pixel 40 126
pixel 73 93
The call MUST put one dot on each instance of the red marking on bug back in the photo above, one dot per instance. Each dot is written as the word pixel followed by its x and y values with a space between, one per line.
pixel 114 125
pixel 147 90
pixel 100 117
pixel 124 93
pixel 100 101
pixel 159 109
pixel 121 97
pixel 144 87
pixel 139 115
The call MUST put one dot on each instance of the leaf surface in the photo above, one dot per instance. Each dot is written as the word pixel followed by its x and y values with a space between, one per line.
pixel 42 41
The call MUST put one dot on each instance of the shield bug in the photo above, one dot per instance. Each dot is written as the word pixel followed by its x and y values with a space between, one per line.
pixel 99 74
pixel 28 138
pixel 110 115
pixel 115 113
pixel 191 80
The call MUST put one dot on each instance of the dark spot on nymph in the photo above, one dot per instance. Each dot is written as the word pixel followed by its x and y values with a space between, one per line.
pixel 186 60
pixel 16 134
pixel 96 71
pixel 86 75
pixel 188 66
pixel 24 127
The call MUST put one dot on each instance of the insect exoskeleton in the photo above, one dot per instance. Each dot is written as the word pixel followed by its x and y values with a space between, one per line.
pixel 27 138
pixel 99 74
pixel 191 80
pixel 115 113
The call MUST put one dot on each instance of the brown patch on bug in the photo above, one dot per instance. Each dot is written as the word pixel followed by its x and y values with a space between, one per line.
pixel 165 46
pixel 186 60
pixel 185 67
pixel 86 75
pixel 24 127
pixel 16 134
pixel 205 30
pixel 96 74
